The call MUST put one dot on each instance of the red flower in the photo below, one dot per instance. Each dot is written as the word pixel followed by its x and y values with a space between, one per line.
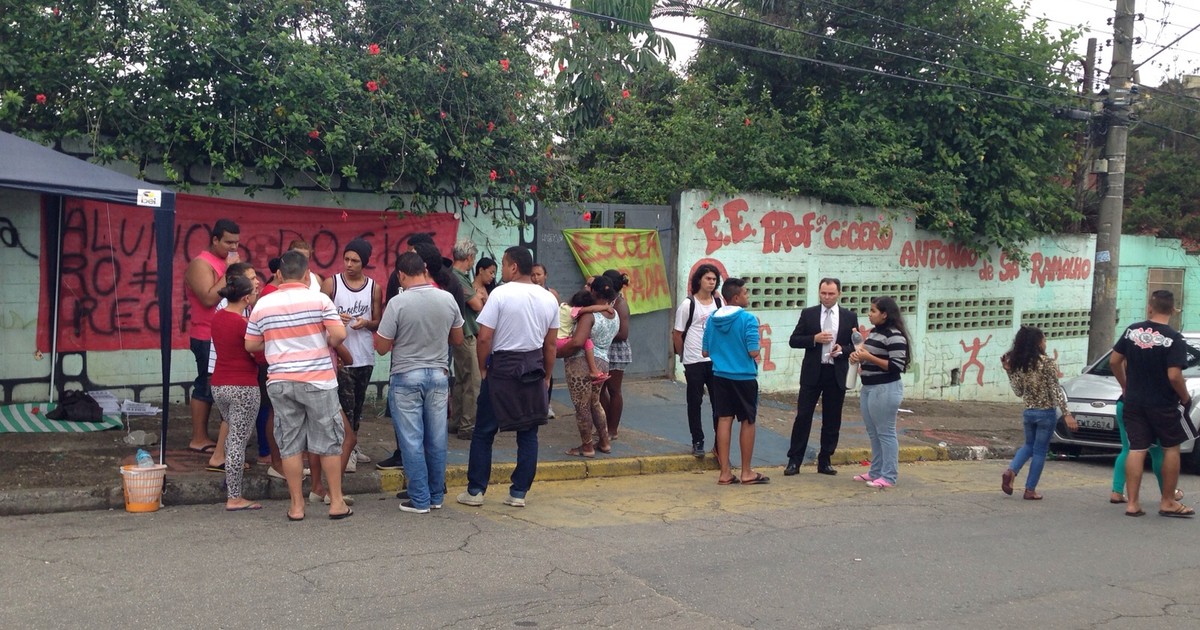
pixel 504 65
pixel 610 119
pixel 465 202
pixel 308 152
pixel 533 189
pixel 704 204
pixel 372 86
pixel 55 9
pixel 491 126
pixel 40 98
pixel 747 122
pixel 314 134
pixel 442 115
pixel 492 176
pixel 624 93
pixel 373 49
pixel 587 216
pixel 561 66
pixel 511 173
pixel 575 24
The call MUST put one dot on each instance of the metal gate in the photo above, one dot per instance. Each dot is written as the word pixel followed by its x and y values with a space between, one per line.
pixel 649 333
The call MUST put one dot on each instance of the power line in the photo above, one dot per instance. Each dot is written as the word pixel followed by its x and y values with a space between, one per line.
pixel 1176 40
pixel 747 47
pixel 827 38
pixel 1165 128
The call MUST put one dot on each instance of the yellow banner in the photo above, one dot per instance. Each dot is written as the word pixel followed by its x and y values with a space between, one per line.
pixel 635 253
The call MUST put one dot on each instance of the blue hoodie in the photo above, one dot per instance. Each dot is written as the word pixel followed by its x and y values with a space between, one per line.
pixel 729 337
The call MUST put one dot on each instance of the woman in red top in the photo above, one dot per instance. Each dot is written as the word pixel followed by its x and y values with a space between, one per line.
pixel 235 383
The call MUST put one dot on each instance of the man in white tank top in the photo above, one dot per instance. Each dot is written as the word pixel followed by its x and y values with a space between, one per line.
pixel 359 302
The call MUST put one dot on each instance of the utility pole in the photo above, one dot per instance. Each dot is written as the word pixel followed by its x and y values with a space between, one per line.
pixel 1103 322
pixel 1089 67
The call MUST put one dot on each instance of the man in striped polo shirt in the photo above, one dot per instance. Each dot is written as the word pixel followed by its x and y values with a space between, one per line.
pixel 297 329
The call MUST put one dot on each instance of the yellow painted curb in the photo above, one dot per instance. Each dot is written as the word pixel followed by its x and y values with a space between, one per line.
pixel 908 454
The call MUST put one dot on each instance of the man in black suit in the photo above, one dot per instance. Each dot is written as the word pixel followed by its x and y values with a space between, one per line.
pixel 823 332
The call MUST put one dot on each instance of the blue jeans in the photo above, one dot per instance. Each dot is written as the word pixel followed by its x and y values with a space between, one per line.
pixel 419 401
pixel 479 466
pixel 879 404
pixel 1039 426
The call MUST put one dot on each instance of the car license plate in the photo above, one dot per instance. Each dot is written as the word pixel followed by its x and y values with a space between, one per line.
pixel 1106 423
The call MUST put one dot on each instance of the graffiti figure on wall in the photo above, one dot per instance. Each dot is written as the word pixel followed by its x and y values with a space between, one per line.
pixel 974 349
pixel 764 343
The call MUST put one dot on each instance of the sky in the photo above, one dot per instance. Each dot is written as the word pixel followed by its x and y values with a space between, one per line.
pixel 1164 21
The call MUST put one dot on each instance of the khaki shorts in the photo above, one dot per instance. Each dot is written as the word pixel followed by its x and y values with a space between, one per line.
pixel 307 418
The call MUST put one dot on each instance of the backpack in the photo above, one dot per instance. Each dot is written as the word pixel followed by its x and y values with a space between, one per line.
pixel 76 406
pixel 692 313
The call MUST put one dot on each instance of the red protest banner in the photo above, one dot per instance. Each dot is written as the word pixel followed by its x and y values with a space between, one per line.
pixel 107 295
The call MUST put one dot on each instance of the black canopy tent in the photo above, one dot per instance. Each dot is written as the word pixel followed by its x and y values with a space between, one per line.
pixel 30 166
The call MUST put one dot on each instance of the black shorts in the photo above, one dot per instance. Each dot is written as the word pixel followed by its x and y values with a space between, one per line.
pixel 738 399
pixel 1170 426
pixel 200 388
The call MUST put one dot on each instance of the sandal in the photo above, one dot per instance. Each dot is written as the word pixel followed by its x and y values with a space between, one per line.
pixel 579 452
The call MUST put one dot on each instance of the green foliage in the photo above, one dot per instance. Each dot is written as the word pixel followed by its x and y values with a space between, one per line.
pixel 452 102
pixel 1162 190
pixel 975 168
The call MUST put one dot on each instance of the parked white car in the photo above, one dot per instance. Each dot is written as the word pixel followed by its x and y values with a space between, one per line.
pixel 1092 397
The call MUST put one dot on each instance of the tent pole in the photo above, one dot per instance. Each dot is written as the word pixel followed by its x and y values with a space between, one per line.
pixel 57 292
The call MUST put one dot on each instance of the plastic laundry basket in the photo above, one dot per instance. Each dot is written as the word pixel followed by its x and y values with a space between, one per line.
pixel 143 487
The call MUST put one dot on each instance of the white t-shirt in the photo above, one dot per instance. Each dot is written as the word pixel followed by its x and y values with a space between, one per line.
pixel 520 313
pixel 695 336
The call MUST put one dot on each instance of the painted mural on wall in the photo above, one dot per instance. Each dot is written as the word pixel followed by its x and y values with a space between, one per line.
pixel 772 239
pixel 107 291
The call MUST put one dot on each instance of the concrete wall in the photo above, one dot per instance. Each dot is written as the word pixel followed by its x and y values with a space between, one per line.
pixel 961 310
pixel 1140 254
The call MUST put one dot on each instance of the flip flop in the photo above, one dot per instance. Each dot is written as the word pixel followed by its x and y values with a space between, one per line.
pixel 204 450
pixel 221 468
pixel 1123 500
pixel 758 478
pixel 578 453
pixel 1137 513
pixel 1182 511
pixel 248 506
pixel 347 514
pixel 732 481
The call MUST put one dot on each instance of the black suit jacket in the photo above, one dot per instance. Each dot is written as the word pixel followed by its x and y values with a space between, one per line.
pixel 807 327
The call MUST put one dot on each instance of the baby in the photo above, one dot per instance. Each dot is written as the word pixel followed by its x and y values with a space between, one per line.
pixel 568 314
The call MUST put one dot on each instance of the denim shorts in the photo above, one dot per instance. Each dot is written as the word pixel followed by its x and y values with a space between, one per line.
pixel 200 389
pixel 307 418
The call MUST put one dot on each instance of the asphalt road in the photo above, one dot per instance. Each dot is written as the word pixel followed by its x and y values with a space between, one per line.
pixel 945 549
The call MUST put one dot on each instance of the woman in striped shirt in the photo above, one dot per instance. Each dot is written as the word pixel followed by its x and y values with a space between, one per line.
pixel 883 356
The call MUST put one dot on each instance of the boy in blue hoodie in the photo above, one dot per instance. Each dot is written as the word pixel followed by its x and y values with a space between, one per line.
pixel 731 341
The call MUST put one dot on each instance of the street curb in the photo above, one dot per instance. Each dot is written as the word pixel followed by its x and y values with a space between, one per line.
pixel 207 488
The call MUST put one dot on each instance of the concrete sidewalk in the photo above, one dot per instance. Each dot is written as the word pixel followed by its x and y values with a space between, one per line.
pixel 66 472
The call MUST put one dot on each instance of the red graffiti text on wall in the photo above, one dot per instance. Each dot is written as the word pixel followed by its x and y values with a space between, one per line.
pixel 1043 269
pixel 780 231
pixel 974 349
pixel 934 254
pixel 1009 269
pixel 857 235
pixel 739 230
pixel 764 345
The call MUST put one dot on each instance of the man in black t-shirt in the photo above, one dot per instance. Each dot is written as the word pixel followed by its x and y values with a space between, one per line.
pixel 1148 361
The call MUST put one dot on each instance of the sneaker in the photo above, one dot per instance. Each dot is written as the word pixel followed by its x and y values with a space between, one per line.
pixel 391 463
pixel 864 477
pixel 466 498
pixel 307 471
pixel 514 501
pixel 698 449
pixel 435 506
pixel 403 494
pixel 351 464
pixel 881 483
pixel 407 506
pixel 360 456
pixel 275 474
pixel 465 435
pixel 550 414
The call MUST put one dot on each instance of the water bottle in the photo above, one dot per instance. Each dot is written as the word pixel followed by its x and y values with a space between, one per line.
pixel 144 460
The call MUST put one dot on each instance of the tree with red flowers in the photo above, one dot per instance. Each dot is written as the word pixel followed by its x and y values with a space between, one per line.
pixel 320 91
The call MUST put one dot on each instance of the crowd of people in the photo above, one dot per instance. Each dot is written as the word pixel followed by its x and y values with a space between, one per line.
pixel 470 357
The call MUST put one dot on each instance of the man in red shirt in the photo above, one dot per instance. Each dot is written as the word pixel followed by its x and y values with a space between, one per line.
pixel 205 276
